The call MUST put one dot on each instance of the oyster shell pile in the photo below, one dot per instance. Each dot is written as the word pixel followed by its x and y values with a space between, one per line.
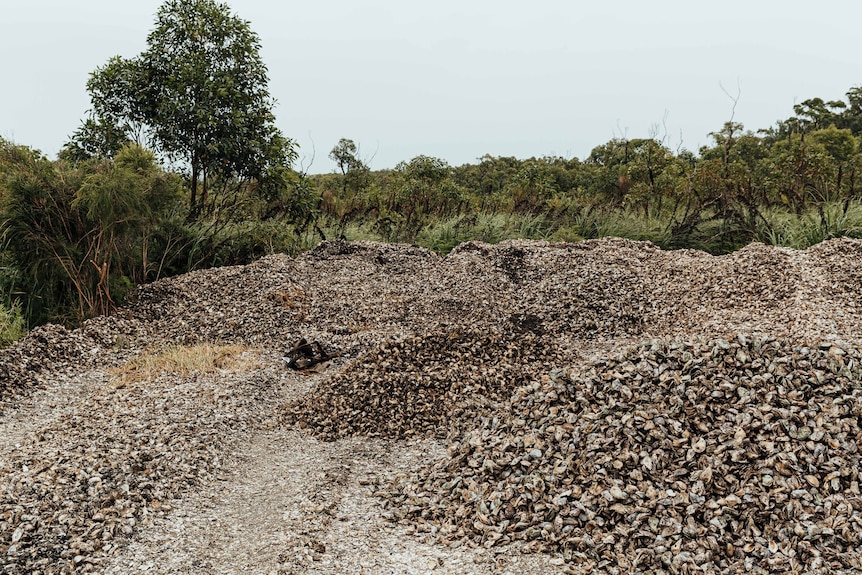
pixel 422 384
pixel 707 456
pixel 51 349
pixel 698 450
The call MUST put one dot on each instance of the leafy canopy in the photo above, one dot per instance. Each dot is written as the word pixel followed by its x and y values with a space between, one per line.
pixel 198 93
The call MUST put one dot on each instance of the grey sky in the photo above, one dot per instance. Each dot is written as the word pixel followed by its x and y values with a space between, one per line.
pixel 458 79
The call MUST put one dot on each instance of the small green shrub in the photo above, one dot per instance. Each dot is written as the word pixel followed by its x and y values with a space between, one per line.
pixel 12 324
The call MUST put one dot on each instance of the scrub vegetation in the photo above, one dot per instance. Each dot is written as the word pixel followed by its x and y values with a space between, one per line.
pixel 179 166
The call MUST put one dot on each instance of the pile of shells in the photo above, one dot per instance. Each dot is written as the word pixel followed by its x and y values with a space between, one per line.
pixel 592 290
pixel 839 260
pixel 46 348
pixel 572 290
pixel 357 294
pixel 19 364
pixel 89 477
pixel 50 350
pixel 726 455
pixel 249 304
pixel 712 456
pixel 425 384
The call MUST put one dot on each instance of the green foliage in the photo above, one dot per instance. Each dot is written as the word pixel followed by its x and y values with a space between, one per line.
pixel 421 187
pixel 96 138
pixel 73 230
pixel 36 226
pixel 343 199
pixel 13 326
pixel 78 233
pixel 297 201
pixel 532 185
pixel 487 180
pixel 717 200
pixel 840 145
pixel 242 243
pixel 824 222
pixel 81 231
pixel 199 92
pixel 116 119
pixel 345 154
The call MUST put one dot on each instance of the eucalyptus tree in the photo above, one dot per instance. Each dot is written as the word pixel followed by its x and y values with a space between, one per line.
pixel 425 186
pixel 531 186
pixel 199 95
pixel 354 171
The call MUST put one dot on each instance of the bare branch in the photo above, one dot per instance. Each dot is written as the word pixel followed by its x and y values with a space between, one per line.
pixel 664 138
pixel 374 155
pixel 734 99
pixel 303 169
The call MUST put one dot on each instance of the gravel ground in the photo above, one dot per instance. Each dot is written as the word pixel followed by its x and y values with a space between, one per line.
pixel 260 469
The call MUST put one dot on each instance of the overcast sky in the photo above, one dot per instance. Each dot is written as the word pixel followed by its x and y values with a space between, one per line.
pixel 458 79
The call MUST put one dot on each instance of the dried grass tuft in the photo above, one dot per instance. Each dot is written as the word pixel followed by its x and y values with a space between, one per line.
pixel 184 361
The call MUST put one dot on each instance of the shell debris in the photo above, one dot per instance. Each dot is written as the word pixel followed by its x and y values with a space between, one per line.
pixel 667 455
pixel 630 409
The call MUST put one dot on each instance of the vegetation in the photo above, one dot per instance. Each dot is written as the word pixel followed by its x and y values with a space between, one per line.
pixel 785 186
pixel 80 236
pixel 12 325
pixel 184 360
pixel 199 95
pixel 179 166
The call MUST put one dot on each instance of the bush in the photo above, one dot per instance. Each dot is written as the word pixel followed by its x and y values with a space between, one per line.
pixel 826 221
pixel 12 324
pixel 74 231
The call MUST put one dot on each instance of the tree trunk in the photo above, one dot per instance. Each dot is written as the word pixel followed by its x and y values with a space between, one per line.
pixel 193 199
pixel 204 194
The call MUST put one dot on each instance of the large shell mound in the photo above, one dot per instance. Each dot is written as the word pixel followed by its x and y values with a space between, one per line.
pixel 710 456
pixel 632 409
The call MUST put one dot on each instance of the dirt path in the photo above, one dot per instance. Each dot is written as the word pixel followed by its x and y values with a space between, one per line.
pixel 287 503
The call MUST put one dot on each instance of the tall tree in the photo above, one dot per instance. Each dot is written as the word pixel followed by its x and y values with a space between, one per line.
pixel 200 93
pixel 116 118
pixel 354 171
pixel 345 155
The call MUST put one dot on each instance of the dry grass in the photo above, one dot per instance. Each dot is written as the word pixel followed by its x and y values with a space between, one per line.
pixel 185 360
